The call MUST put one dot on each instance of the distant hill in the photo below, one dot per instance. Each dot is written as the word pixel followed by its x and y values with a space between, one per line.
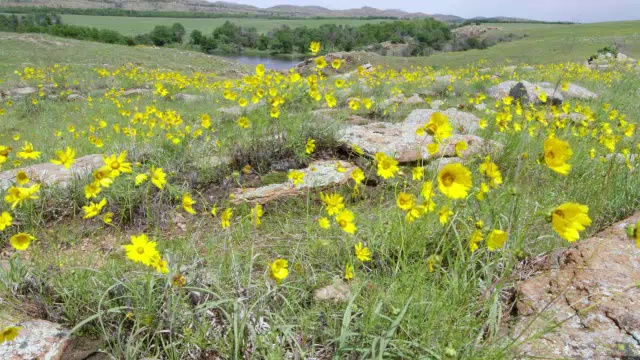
pixel 228 8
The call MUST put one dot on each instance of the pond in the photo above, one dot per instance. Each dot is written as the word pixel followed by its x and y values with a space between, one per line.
pixel 270 62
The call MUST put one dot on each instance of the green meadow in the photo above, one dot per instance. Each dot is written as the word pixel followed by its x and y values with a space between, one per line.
pixel 141 25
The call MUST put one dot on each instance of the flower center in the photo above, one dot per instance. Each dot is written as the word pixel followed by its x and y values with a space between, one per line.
pixel 115 165
pixel 448 179
pixel 140 250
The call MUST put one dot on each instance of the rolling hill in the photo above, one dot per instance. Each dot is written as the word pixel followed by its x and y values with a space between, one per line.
pixel 226 8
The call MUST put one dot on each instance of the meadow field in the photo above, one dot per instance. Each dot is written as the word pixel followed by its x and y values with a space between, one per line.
pixel 137 26
pixel 227 212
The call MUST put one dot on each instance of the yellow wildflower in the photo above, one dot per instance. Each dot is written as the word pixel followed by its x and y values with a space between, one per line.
pixel 362 252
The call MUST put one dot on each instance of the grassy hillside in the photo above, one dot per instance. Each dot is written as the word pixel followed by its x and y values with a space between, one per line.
pixel 19 50
pixel 135 26
pixel 542 44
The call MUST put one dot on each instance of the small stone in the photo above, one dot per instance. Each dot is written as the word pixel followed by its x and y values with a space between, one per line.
pixel 336 292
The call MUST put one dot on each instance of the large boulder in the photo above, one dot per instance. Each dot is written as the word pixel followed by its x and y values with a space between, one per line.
pixel 318 175
pixel 584 302
pixel 401 141
pixel 529 92
pixel 525 91
pixel 50 174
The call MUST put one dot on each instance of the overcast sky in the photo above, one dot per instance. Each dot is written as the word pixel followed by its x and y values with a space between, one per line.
pixel 548 10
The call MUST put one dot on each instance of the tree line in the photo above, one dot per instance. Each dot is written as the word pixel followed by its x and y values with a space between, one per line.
pixel 232 38
pixel 51 24
pixel 419 37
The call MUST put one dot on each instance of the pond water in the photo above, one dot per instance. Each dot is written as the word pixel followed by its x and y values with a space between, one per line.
pixel 270 62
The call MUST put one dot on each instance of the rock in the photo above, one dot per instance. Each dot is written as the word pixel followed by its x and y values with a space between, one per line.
pixel 130 92
pixel 622 57
pixel 436 104
pixel 444 80
pixel 76 97
pixel 577 118
pixel 524 91
pixel 480 107
pixel 484 71
pixel 578 92
pixel 357 120
pixel 50 174
pixel 414 100
pixel 189 97
pixel 401 141
pixel 318 175
pixel 590 291
pixel 527 68
pixel 336 292
pixel 23 91
pixel 38 339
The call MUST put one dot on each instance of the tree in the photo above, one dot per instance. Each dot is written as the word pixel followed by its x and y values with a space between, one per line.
pixel 196 37
pixel 178 32
pixel 161 35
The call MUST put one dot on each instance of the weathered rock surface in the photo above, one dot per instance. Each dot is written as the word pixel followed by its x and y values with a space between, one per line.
pixel 50 174
pixel 530 91
pixel 318 175
pixel 38 339
pixel 401 141
pixel 590 293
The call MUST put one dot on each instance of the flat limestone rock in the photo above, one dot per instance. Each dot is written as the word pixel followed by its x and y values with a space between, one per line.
pixel 318 175
pixel 590 291
pixel 50 174
pixel 38 339
pixel 401 141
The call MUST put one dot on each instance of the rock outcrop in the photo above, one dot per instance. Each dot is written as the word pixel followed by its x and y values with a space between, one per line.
pixel 530 92
pixel 584 305
pixel 401 141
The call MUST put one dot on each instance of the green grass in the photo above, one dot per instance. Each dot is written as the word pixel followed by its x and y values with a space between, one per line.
pixel 77 273
pixel 20 50
pixel 141 25
pixel 543 44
